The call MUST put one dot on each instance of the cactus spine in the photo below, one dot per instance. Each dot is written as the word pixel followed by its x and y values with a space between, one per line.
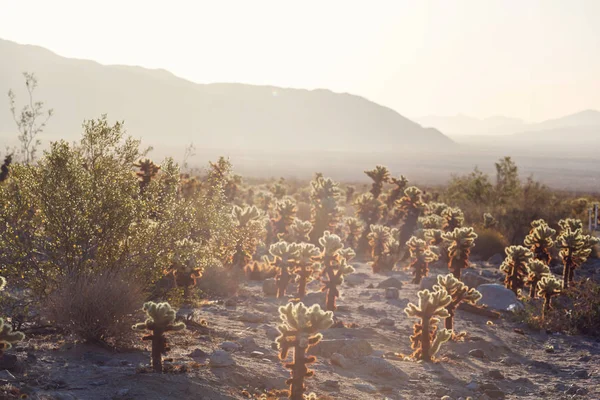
pixel 161 319
pixel 299 330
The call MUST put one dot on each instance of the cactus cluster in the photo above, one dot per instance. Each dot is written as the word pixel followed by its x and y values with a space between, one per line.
pixel 369 210
pixel 459 292
pixel 537 270
pixel 161 319
pixel 298 231
pixel 516 267
pixel 286 214
pixel 384 246
pixel 548 287
pixel 421 256
pixel 540 240
pixel 249 223
pixel 411 205
pixel 325 209
pixel 285 255
pixel 575 247
pixel 453 218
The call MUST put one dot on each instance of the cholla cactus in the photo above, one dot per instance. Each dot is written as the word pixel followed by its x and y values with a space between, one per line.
pixel 285 257
pixel 575 247
pixel 305 260
pixel 279 189
pixel 299 330
pixel 421 257
pixel 459 292
pixel 354 228
pixel 411 205
pixel 537 270
pixel 250 230
pixel 540 240
pixel 427 339
pixel 548 287
pixel 379 175
pixel 437 208
pixel 259 271
pixel 382 241
pixel 434 237
pixel 454 218
pixel 184 261
pixel 189 186
pixel 148 170
pixel 298 231
pixel 4 169
pixel 516 267
pixel 431 221
pixel 286 214
pixel 265 202
pixel 489 222
pixel 369 211
pixel 325 210
pixel 8 337
pixel 334 259
pixel 161 319
pixel 396 192
pixel 460 241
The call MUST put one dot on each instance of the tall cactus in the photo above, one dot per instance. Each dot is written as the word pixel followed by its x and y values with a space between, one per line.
pixel 382 242
pixel 427 339
pixel 299 330
pixel 537 270
pixel 250 229
pixel 396 192
pixel 411 205
pixel 379 175
pixel 421 257
pixel 286 214
pixel 459 292
pixel 161 319
pixel 354 228
pixel 548 287
pixel 369 211
pixel 540 240
pixel 285 257
pixel 516 267
pixel 334 259
pixel 460 241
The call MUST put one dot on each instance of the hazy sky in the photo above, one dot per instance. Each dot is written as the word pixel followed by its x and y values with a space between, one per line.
pixel 522 58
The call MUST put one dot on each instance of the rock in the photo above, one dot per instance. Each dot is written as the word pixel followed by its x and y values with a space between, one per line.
pixel 198 353
pixel 582 373
pixel 473 279
pixel 386 322
pixel 314 298
pixel 248 344
pixel 380 367
pixel 473 386
pixel 270 287
pixel 390 283
pixel 477 353
pixel 365 387
pixel 221 358
pixel 585 358
pixel 257 354
pixel 96 358
pixel 496 259
pixel 392 293
pixel 428 282
pixel 252 317
pixel 495 374
pixel 486 273
pixel 339 360
pixel 349 348
pixel 331 386
pixel 510 361
pixel 230 346
pixel 354 279
pixel 497 297
pixel 370 286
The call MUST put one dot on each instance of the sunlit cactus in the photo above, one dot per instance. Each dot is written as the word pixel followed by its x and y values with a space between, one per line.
pixel 540 240
pixel 4 169
pixel 537 270
pixel 259 271
pixel 437 208
pixel 249 223
pixel 516 267
pixel 575 247
pixel 285 257
pixel 161 319
pixel 265 201
pixel 454 218
pixel 325 210
pixel 279 189
pixel 148 170
pixel 369 210
pixel 460 293
pixel 305 259
pixel 286 214
pixel 298 231
pixel 232 187
pixel 189 186
pixel 396 192
pixel 379 175
pixel 421 257
pixel 411 205
pixel 434 237
pixel 432 221
pixel 460 241
pixel 427 338
pixel 299 330
pixel 8 337
pixel 381 241
pixel 185 267
pixel 489 222
pixel 354 228
pixel 334 262
pixel 548 287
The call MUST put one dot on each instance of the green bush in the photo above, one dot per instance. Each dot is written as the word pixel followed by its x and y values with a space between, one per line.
pixel 489 242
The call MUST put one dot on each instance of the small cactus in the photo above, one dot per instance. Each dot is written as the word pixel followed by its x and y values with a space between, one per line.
pixel 369 210
pixel 334 259
pixel 540 240
pixel 427 339
pixel 286 214
pixel 354 228
pixel 148 170
pixel 185 268
pixel 454 218
pixel 325 206
pixel 161 319
pixel 460 241
pixel 548 287
pixel 285 257
pixel 459 292
pixel 537 270
pixel 516 267
pixel 411 205
pixel 299 330
pixel 421 257
pixel 575 247
pixel 382 243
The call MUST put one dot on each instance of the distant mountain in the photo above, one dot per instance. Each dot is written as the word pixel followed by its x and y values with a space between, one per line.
pixel 462 125
pixel 169 111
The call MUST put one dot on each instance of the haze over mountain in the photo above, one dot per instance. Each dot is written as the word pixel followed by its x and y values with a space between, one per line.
pixel 169 111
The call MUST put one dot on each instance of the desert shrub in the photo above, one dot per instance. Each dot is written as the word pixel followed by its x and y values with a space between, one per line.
pixel 489 242
pixel 95 307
